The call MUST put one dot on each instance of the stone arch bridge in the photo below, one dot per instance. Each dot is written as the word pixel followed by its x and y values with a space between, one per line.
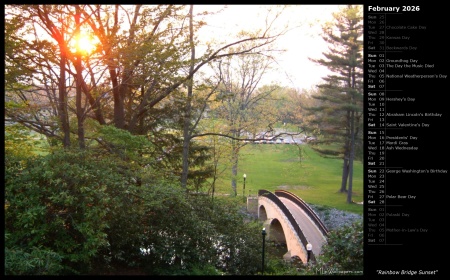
pixel 288 219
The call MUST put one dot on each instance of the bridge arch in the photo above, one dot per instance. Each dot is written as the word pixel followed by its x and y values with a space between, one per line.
pixel 281 226
pixel 275 231
pixel 262 214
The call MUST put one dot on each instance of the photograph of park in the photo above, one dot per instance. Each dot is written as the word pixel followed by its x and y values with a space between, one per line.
pixel 184 140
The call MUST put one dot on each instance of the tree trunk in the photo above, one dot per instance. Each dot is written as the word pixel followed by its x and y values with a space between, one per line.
pixel 79 77
pixel 62 95
pixel 95 104
pixel 187 112
pixel 344 175
pixel 234 167
pixel 119 118
pixel 352 155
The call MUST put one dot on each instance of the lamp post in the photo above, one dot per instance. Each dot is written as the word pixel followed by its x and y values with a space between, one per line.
pixel 263 246
pixel 243 190
pixel 308 249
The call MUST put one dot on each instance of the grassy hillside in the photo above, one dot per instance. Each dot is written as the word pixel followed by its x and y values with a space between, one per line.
pixel 302 171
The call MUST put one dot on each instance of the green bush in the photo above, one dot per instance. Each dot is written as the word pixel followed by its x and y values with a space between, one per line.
pixel 73 212
pixel 343 252
pixel 37 261
pixel 65 202
pixel 191 235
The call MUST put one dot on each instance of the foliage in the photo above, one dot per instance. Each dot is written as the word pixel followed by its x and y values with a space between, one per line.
pixel 18 141
pixel 131 77
pixel 277 266
pixel 291 105
pixel 121 142
pixel 17 65
pixel 341 92
pixel 200 233
pixel 197 270
pixel 63 202
pixel 37 261
pixel 343 251
pixel 239 241
pixel 338 116
pixel 204 270
pixel 73 212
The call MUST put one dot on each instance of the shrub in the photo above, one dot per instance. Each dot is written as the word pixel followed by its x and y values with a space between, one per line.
pixel 65 202
pixel 343 252
pixel 37 261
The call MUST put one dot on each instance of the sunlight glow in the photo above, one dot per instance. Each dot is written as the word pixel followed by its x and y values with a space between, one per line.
pixel 85 44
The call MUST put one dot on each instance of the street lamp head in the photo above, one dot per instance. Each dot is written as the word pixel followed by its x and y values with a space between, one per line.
pixel 263 231
pixel 245 175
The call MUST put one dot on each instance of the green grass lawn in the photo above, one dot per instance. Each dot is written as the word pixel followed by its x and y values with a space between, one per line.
pixel 313 178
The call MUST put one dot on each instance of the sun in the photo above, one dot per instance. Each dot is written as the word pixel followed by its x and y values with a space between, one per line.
pixel 84 44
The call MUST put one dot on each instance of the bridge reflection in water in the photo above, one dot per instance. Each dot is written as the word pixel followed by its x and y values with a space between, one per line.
pixel 291 221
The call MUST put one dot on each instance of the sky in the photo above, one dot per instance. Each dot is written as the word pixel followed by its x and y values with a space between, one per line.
pixel 301 42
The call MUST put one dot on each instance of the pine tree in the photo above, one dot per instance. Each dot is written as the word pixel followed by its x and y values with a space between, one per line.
pixel 339 117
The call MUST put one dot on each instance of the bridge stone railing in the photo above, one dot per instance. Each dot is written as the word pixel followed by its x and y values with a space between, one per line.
pixel 288 215
pixel 308 210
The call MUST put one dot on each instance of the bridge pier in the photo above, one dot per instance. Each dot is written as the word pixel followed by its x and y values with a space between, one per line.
pixel 252 204
pixel 288 256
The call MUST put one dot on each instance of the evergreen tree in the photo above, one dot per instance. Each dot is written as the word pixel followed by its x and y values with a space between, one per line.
pixel 339 115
